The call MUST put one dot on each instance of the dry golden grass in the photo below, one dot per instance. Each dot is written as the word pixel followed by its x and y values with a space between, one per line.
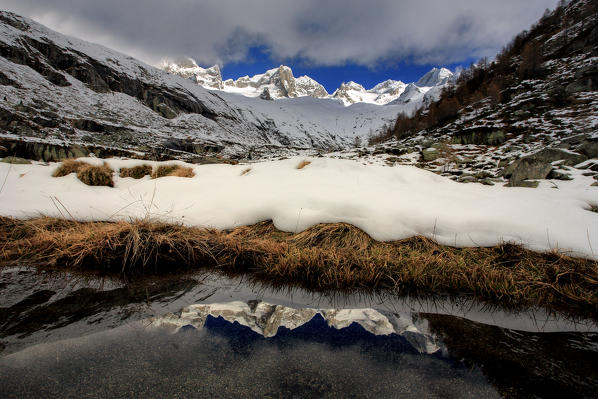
pixel 136 172
pixel 87 173
pixel 96 175
pixel 172 170
pixel 330 256
pixel 67 167
pixel 303 164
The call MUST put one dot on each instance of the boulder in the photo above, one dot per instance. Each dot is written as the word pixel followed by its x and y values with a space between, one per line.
pixel 467 179
pixel 589 148
pixel 430 154
pixel 15 160
pixel 586 79
pixel 166 111
pixel 559 175
pixel 538 165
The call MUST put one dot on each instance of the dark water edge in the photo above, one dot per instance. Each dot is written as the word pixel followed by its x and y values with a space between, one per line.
pixel 62 336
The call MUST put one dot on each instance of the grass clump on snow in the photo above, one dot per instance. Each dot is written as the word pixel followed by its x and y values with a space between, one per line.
pixel 326 256
pixel 303 164
pixel 172 170
pixel 67 167
pixel 136 172
pixel 91 175
pixel 96 175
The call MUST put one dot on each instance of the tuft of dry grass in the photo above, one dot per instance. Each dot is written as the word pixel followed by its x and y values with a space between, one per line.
pixel 67 167
pixel 96 175
pixel 327 256
pixel 172 170
pixel 89 174
pixel 136 172
pixel 303 164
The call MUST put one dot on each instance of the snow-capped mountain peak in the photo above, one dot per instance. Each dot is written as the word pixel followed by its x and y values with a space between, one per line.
pixel 280 82
pixel 188 68
pixel 434 77
pixel 307 86
pixel 388 86
pixel 353 86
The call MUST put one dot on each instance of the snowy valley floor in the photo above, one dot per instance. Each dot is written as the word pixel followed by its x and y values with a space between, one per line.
pixel 321 223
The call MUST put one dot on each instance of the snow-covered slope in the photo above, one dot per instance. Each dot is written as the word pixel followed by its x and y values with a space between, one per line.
pixel 64 91
pixel 388 203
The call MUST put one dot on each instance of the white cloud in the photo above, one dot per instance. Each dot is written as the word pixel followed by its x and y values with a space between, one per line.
pixel 321 32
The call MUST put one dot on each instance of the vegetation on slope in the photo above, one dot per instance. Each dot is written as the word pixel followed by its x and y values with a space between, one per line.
pixel 566 31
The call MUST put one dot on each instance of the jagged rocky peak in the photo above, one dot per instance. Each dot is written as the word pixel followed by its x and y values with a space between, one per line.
pixel 350 93
pixel 352 86
pixel 283 80
pixel 436 76
pixel 188 68
pixel 280 82
pixel 389 86
pixel 306 86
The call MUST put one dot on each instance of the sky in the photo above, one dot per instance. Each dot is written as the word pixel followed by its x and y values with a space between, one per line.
pixel 332 41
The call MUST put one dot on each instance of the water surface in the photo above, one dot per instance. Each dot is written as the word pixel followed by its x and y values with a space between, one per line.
pixel 211 336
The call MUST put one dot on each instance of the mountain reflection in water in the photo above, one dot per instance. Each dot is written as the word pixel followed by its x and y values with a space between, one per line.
pixel 219 337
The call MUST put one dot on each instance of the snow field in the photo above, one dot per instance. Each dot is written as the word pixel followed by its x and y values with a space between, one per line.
pixel 388 203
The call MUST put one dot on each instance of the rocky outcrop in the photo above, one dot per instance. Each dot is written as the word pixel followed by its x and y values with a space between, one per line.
pixel 284 80
pixel 266 95
pixel 585 79
pixel 480 135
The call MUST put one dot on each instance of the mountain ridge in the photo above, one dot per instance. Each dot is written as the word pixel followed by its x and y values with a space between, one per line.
pixel 277 83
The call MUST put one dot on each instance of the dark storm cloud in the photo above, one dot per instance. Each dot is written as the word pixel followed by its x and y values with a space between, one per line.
pixel 321 32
